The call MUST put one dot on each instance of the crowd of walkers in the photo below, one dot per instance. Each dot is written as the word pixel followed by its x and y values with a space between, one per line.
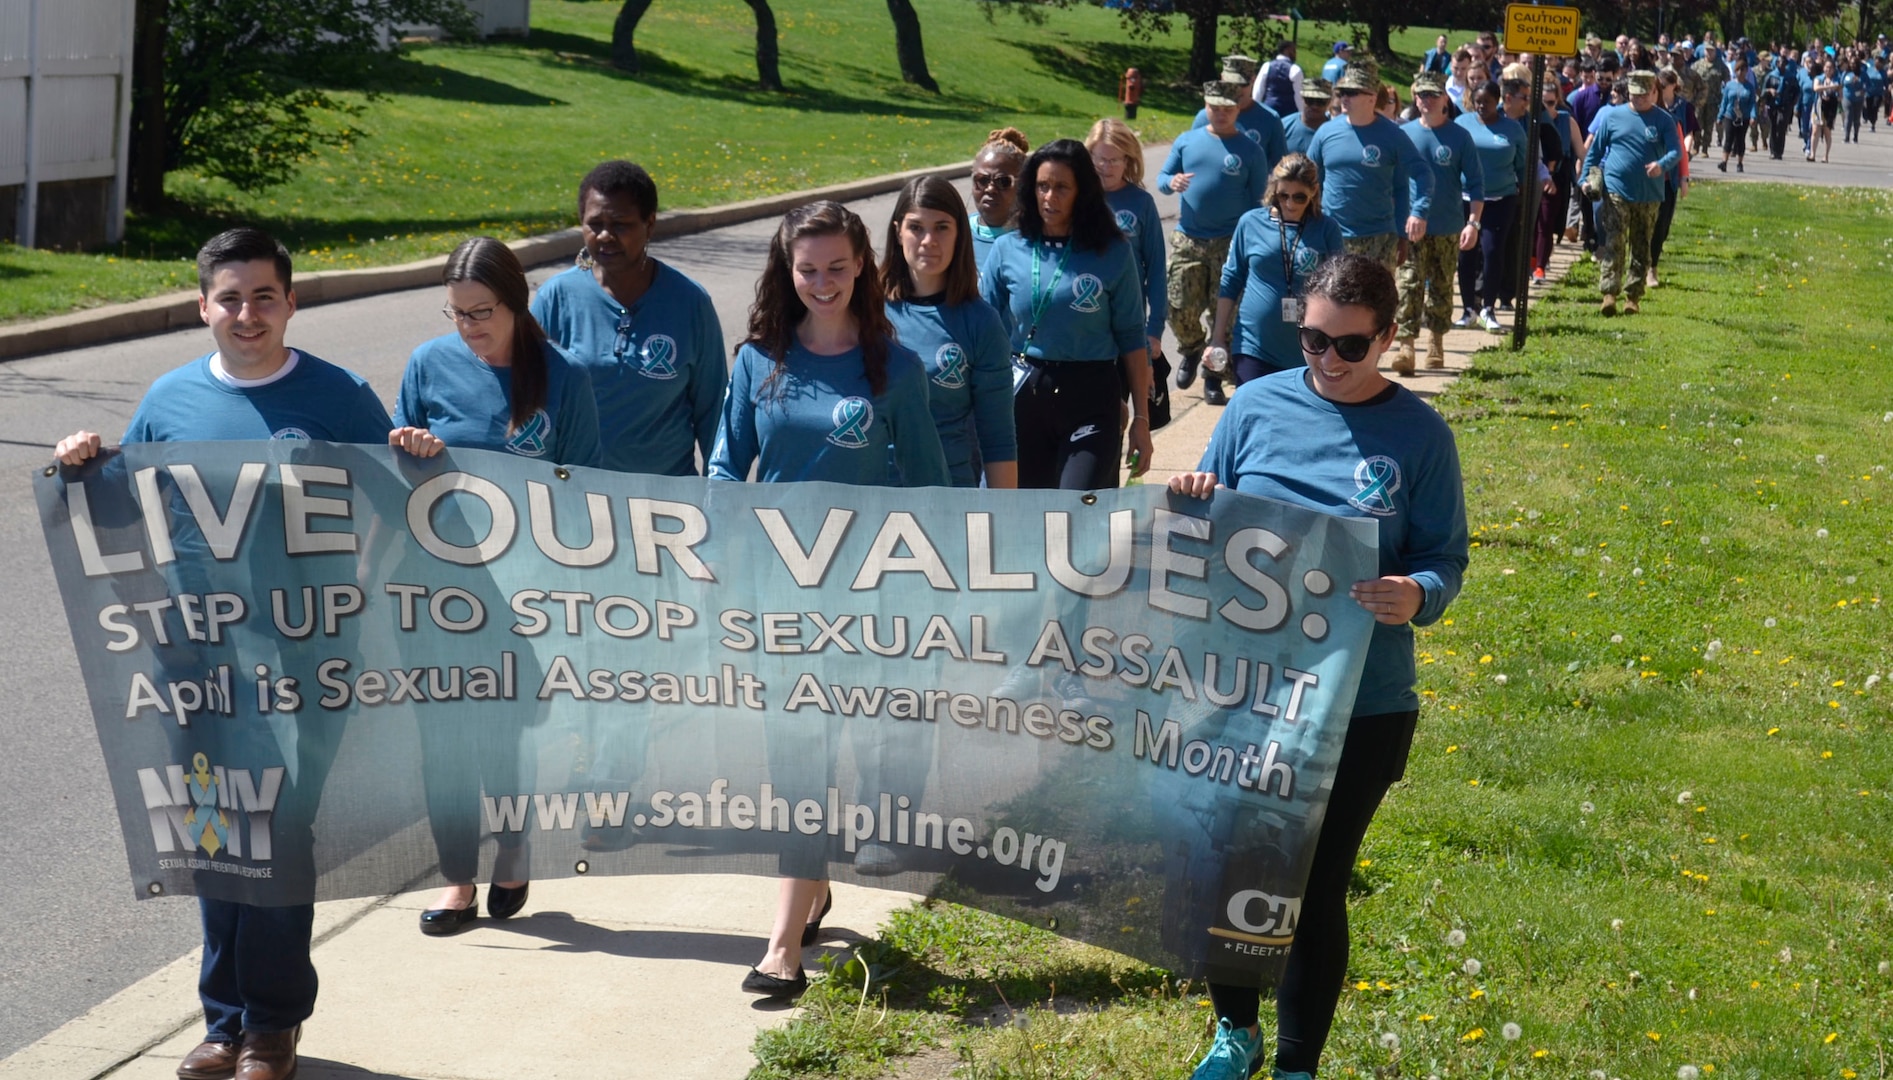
pixel 1016 342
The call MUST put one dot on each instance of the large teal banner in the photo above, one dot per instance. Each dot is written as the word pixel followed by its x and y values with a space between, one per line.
pixel 322 671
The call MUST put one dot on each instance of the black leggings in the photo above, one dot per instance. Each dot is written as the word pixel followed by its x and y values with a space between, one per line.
pixel 1735 140
pixel 1247 368
pixel 1486 264
pixel 1374 756
pixel 1066 414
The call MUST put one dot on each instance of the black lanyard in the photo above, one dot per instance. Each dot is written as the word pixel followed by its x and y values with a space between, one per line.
pixel 1288 252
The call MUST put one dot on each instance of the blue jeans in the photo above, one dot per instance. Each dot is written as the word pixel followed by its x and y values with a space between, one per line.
pixel 257 975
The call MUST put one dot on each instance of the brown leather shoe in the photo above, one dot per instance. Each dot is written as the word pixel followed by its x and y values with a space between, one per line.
pixel 209 1061
pixel 268 1055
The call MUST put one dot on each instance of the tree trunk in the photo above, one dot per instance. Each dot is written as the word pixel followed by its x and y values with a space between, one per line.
pixel 1205 61
pixel 913 55
pixel 149 153
pixel 768 76
pixel 1380 39
pixel 624 53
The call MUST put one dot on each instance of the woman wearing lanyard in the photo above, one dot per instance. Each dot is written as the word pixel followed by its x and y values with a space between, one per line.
pixel 933 301
pixel 1069 285
pixel 495 384
pixel 1277 245
pixel 1304 438
pixel 820 391
pixel 996 171
pixel 647 335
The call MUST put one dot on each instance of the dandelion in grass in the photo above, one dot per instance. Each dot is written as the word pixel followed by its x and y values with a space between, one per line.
pixel 1820 459
pixel 1586 808
pixel 1499 679
pixel 1617 926
pixel 1769 622
pixel 1511 1032
pixel 1389 1041
pixel 1687 1072
pixel 1455 938
pixel 1472 967
pixel 1683 797
pixel 1872 681
pixel 1616 639
pixel 1820 534
pixel 1886 967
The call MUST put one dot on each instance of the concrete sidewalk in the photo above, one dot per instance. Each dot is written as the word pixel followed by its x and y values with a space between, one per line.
pixel 615 977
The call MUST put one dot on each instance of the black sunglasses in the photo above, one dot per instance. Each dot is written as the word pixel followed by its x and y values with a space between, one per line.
pixel 1349 93
pixel 1350 347
pixel 1296 197
pixel 996 181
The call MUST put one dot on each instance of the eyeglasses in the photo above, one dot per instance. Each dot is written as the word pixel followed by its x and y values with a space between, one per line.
pixel 1426 95
pixel 454 314
pixel 1350 347
pixel 1296 197
pixel 996 181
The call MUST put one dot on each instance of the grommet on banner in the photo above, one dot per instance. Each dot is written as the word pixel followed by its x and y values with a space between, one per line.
pixel 52 470
pixel 1089 498
pixel 156 888
pixel 581 867
pixel 562 473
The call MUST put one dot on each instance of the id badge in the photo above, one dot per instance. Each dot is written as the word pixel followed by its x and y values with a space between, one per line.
pixel 1292 308
pixel 1020 369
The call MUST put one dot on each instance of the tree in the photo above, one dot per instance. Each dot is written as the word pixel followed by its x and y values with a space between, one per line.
pixel 768 75
pixel 1146 19
pixel 245 82
pixel 907 46
pixel 624 54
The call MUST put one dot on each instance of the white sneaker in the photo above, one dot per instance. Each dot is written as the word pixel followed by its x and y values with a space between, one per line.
pixel 1464 320
pixel 1490 321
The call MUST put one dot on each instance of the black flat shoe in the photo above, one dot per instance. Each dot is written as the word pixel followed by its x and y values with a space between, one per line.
pixel 777 989
pixel 441 922
pixel 504 903
pixel 813 931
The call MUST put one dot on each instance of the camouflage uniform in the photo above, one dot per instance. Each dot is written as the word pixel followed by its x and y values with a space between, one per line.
pixel 1196 274
pixel 1713 73
pixel 1384 248
pixel 1689 87
pixel 1626 239
pixel 1426 284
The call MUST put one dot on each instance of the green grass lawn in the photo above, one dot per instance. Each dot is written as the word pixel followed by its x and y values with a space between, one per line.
pixel 492 137
pixel 1653 783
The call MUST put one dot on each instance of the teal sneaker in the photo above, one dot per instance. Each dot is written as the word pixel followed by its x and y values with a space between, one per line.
pixel 1233 1056
pixel 1277 1074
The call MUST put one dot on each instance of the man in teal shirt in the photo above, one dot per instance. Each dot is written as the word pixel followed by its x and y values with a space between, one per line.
pixel 1300 131
pixel 1261 124
pixel 1452 226
pixel 1373 182
pixel 1636 147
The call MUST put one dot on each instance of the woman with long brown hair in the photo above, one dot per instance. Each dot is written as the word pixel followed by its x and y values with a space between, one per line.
pixel 494 384
pixel 821 390
pixel 932 290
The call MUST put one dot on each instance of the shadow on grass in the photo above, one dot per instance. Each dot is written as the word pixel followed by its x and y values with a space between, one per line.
pixel 186 225
pixel 1097 66
pixel 407 76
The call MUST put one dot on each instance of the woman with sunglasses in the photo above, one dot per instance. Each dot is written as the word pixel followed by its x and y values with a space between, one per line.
pixel 647 335
pixel 1309 437
pixel 1499 141
pixel 1068 284
pixel 996 171
pixel 1276 247
pixel 933 302
pixel 495 384
pixel 820 390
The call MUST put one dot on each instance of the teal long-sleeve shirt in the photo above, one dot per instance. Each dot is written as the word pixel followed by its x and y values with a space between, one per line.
pixel 963 347
pixel 1372 179
pixel 1626 142
pixel 1457 172
pixel 468 402
pixel 1227 179
pixel 1261 124
pixel 1501 149
pixel 1738 102
pixel 1138 220
pixel 1090 304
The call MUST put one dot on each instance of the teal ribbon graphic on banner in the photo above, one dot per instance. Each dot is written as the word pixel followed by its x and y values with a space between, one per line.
pixel 322 671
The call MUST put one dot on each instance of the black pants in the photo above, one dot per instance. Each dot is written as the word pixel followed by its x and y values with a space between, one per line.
pixel 1780 120
pixel 1372 758
pixel 1736 139
pixel 1484 273
pixel 1066 417
pixel 1247 368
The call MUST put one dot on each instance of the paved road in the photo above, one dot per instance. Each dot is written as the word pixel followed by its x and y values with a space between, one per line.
pixel 73 935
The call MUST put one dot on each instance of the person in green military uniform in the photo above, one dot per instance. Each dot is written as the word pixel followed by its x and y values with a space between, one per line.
pixel 1452 224
pixel 1635 149
pixel 1712 72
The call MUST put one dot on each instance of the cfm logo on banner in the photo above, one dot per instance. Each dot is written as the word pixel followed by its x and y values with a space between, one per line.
pixel 320 671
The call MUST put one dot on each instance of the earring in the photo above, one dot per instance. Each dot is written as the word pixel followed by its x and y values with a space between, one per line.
pixel 584 260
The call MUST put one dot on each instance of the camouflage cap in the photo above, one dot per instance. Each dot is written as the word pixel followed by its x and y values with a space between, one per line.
pixel 1221 93
pixel 1318 90
pixel 1359 75
pixel 1641 82
pixel 1239 68
pixel 1429 82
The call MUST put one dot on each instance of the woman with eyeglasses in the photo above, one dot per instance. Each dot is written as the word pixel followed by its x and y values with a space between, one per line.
pixel 496 383
pixel 646 335
pixel 821 390
pixel 1068 283
pixel 1340 438
pixel 932 291
pixel 1276 247
pixel 996 171
pixel 1118 156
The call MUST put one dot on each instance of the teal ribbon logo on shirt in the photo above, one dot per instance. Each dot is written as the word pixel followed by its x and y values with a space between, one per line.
pixel 950 365
pixel 1087 291
pixel 851 417
pixel 1305 260
pixel 660 357
pixel 1232 165
pixel 1443 155
pixel 1377 477
pixel 1127 224
pixel 293 434
pixel 530 439
pixel 1370 154
pixel 1254 135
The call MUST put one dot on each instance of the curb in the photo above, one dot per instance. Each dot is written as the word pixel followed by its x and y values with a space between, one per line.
pixel 157 314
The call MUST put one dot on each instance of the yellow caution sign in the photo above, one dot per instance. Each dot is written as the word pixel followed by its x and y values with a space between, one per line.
pixel 1551 31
